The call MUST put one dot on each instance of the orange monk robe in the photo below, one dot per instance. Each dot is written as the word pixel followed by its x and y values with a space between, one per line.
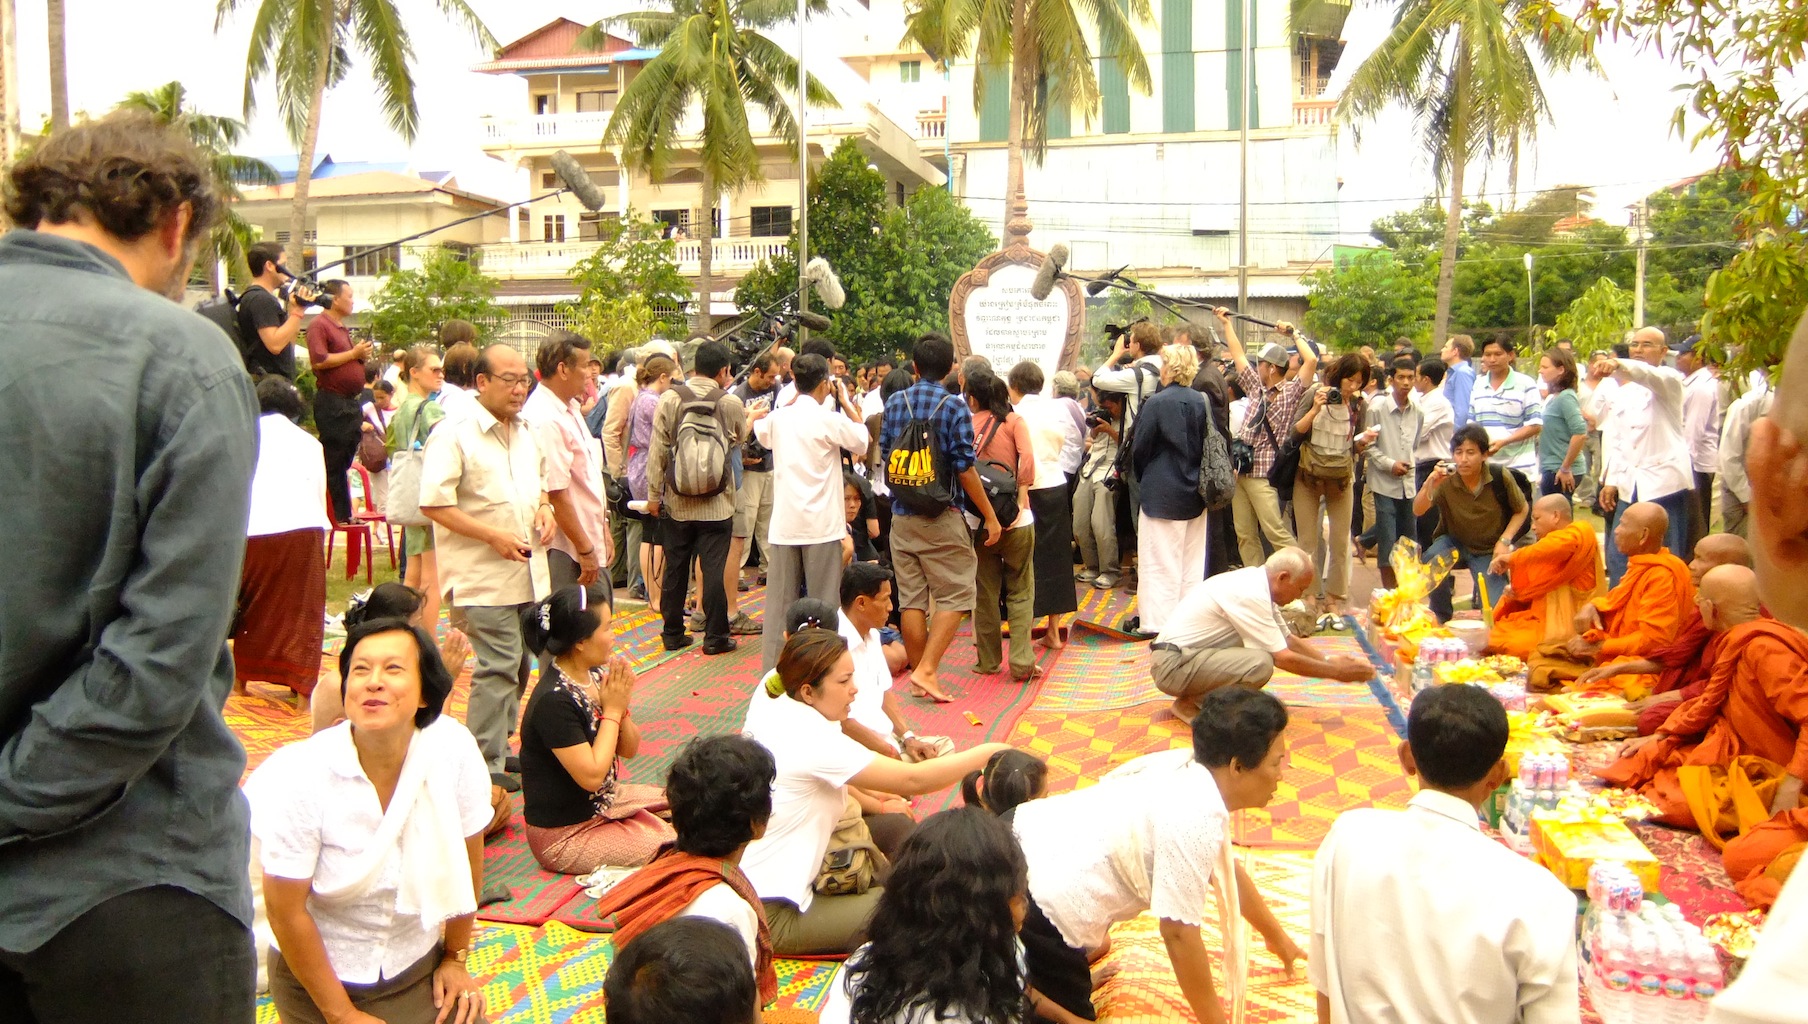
pixel 1551 579
pixel 1645 612
pixel 1755 702
pixel 1760 861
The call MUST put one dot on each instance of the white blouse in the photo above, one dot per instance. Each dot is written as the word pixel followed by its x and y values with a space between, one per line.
pixel 1146 838
pixel 315 811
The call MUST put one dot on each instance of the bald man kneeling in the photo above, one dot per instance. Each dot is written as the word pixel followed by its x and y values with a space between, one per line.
pixel 1644 612
pixel 1228 632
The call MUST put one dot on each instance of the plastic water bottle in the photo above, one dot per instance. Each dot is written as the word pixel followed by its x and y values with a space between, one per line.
pixel 1422 677
pixel 1679 979
pixel 1615 967
pixel 1647 977
pixel 1704 966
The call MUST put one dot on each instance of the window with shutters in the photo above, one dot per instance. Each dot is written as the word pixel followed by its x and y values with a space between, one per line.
pixel 1177 65
pixel 1114 93
pixel 995 108
pixel 552 228
pixel 598 101
pixel 374 262
pixel 910 71
pixel 771 222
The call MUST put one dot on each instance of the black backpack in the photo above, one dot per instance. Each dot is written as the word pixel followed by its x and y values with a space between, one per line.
pixel 1498 479
pixel 998 480
pixel 916 470
pixel 223 311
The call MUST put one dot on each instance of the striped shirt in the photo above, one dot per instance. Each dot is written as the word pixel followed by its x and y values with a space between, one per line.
pixel 1505 409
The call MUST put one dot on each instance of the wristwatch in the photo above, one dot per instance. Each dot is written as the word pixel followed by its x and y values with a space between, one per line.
pixel 907 735
pixel 458 956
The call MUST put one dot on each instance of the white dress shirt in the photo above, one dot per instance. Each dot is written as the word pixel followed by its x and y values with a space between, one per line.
pixel 872 676
pixel 1145 838
pixel 1643 448
pixel 1053 435
pixel 314 813
pixel 1439 428
pixel 1701 418
pixel 1734 437
pixel 1418 916
pixel 806 440
pixel 288 489
pixel 1231 609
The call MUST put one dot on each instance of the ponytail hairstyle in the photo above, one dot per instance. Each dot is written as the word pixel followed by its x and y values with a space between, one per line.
pixel 805 613
pixel 565 619
pixel 1010 777
pixel 390 600
pixel 809 655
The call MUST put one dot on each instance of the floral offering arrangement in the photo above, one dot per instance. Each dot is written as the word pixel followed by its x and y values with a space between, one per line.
pixel 1735 931
pixel 1403 614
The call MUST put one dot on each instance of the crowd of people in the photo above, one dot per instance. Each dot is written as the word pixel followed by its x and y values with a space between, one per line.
pixel 880 524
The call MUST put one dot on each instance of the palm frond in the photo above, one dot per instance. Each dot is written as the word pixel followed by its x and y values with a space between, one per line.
pixel 459 11
pixel 376 28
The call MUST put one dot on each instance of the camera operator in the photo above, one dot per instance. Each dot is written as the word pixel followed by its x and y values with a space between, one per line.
pixel 338 366
pixel 266 332
pixel 1095 500
pixel 753 499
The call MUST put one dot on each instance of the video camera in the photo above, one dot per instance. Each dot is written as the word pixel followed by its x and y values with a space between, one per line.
pixel 305 289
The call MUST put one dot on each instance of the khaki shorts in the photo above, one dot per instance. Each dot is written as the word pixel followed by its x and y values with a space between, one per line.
pixel 753 505
pixel 933 559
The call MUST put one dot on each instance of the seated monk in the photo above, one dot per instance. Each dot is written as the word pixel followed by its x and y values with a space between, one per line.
pixel 1755 703
pixel 1678 671
pixel 1641 614
pixel 1546 581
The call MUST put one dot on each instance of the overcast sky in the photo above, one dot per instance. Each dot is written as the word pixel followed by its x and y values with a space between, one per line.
pixel 1612 133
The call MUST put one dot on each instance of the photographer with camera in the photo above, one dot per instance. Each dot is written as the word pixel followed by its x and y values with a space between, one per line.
pixel 1095 501
pixel 268 326
pixel 1273 396
pixel 338 366
pixel 753 499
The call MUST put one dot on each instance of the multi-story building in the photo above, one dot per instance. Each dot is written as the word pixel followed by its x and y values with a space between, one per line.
pixel 568 98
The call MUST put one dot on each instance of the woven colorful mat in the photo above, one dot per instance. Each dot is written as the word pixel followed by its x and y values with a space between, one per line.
pixel 1307 691
pixel 1098 672
pixel 1144 990
pixel 1338 759
pixel 535 893
pixel 1105 611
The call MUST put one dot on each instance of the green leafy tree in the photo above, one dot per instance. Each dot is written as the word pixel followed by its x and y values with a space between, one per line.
pixel 1470 73
pixel 1042 46
pixel 1119 309
pixel 1597 319
pixel 215 137
pixel 1693 233
pixel 307 46
pixel 411 304
pixel 1743 68
pixel 897 264
pixel 632 261
pixel 712 53
pixel 1370 299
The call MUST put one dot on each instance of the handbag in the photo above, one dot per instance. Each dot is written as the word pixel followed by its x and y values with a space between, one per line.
pixel 373 454
pixel 852 864
pixel 1286 466
pixel 1217 479
pixel 998 480
pixel 405 479
pixel 1734 798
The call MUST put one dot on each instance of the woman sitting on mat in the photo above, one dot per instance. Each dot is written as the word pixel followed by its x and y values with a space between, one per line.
pixel 1153 836
pixel 1010 777
pixel 576 731
pixel 816 763
pixel 371 845
pixel 721 793
pixel 944 945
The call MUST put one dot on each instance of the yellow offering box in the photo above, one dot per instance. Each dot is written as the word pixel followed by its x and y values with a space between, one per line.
pixel 1568 847
pixel 1525 737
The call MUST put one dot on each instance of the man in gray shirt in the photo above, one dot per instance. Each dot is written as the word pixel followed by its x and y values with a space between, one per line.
pixel 1393 427
pixel 128 435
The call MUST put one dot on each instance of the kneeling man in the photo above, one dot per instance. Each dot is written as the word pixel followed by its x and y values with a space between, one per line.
pixel 1228 632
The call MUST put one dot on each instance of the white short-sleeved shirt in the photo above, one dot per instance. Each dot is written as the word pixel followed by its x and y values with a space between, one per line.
pixel 493 472
pixel 872 677
pixel 1231 609
pixel 314 812
pixel 288 490
pixel 815 761
pixel 1145 838
pixel 806 440
pixel 721 903
pixel 1492 935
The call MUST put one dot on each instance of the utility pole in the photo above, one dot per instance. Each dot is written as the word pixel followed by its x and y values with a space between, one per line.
pixel 803 175
pixel 9 85
pixel 1638 282
pixel 1243 166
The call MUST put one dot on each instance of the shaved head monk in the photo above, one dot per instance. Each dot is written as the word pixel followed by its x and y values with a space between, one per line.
pixel 1679 670
pixel 1755 704
pixel 1547 581
pixel 1643 613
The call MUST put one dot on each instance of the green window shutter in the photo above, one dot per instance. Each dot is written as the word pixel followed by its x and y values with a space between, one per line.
pixel 995 110
pixel 1114 94
pixel 1177 65
pixel 1234 75
pixel 1060 119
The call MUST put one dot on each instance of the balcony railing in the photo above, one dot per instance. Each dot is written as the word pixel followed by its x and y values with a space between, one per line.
pixel 1313 113
pixel 932 124
pixel 510 261
pixel 547 129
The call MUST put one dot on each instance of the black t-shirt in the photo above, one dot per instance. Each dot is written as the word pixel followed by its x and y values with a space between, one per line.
pixel 259 309
pixel 748 396
pixel 864 548
pixel 558 715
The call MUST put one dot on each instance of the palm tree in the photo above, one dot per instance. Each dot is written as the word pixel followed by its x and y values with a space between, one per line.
pixel 59 65
pixel 711 53
pixel 215 137
pixel 306 46
pixel 1043 45
pixel 1469 70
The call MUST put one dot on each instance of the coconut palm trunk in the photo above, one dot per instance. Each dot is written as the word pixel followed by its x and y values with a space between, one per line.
pixel 59 66
pixel 1017 224
pixel 706 239
pixel 310 140
pixel 1453 218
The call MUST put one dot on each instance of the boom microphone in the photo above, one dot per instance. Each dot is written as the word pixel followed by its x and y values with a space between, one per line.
pixel 1098 285
pixel 814 321
pixel 828 288
pixel 575 178
pixel 1051 269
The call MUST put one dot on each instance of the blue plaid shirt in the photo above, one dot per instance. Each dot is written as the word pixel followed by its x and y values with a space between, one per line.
pixel 953 431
